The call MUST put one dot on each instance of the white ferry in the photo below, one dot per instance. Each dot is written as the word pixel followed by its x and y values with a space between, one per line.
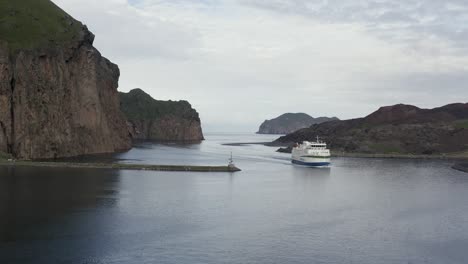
pixel 312 154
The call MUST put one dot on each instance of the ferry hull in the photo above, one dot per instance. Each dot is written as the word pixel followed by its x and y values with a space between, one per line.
pixel 324 163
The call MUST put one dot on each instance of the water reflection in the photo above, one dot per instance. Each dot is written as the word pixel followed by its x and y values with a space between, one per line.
pixel 310 179
pixel 359 211
pixel 311 173
pixel 31 197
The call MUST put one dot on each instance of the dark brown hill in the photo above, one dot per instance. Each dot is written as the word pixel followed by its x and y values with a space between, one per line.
pixel 398 129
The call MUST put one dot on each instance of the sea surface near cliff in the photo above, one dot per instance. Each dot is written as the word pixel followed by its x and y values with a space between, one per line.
pixel 358 211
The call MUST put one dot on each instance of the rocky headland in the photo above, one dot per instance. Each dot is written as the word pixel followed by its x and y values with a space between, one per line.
pixel 399 130
pixel 150 119
pixel 290 122
pixel 58 95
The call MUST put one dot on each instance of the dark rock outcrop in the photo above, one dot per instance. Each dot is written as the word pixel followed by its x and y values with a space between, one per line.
pixel 58 95
pixel 463 166
pixel 285 149
pixel 150 119
pixel 290 122
pixel 400 129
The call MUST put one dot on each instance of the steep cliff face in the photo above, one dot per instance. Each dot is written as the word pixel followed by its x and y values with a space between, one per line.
pixel 290 122
pixel 5 99
pixel 398 129
pixel 151 119
pixel 58 95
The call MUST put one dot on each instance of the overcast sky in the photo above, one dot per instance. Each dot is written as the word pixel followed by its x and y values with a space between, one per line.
pixel 239 62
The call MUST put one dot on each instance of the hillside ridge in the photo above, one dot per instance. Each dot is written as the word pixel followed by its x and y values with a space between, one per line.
pixel 397 129
pixel 290 122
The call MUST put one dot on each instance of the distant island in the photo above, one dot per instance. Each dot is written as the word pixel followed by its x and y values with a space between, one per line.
pixel 151 119
pixel 290 122
pixel 399 129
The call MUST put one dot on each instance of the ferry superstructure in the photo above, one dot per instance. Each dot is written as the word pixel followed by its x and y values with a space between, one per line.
pixel 312 154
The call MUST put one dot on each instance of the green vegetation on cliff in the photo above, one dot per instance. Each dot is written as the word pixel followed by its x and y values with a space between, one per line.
pixel 138 105
pixel 152 119
pixel 462 124
pixel 4 156
pixel 29 24
pixel 386 147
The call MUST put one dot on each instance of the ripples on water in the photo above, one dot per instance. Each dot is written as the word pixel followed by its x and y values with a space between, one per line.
pixel 358 211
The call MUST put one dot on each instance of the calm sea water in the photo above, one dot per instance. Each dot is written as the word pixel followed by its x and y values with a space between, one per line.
pixel 359 211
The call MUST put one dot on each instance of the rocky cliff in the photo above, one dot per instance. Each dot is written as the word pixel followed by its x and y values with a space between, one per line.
pixel 290 122
pixel 398 129
pixel 58 95
pixel 151 119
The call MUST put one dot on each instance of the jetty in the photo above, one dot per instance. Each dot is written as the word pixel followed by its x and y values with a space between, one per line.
pixel 461 167
pixel 121 166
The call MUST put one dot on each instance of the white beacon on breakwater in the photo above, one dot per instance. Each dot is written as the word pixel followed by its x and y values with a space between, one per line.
pixel 312 154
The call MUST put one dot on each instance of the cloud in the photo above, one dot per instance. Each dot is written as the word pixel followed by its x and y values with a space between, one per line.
pixel 390 19
pixel 125 31
pixel 240 62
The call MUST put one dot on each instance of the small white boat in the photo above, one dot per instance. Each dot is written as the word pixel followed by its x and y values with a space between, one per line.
pixel 312 154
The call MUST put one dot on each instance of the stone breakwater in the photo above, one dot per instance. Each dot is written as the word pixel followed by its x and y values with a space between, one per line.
pixel 147 167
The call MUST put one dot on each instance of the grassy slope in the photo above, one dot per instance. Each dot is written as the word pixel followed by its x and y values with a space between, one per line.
pixel 4 156
pixel 29 24
pixel 138 105
pixel 460 124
